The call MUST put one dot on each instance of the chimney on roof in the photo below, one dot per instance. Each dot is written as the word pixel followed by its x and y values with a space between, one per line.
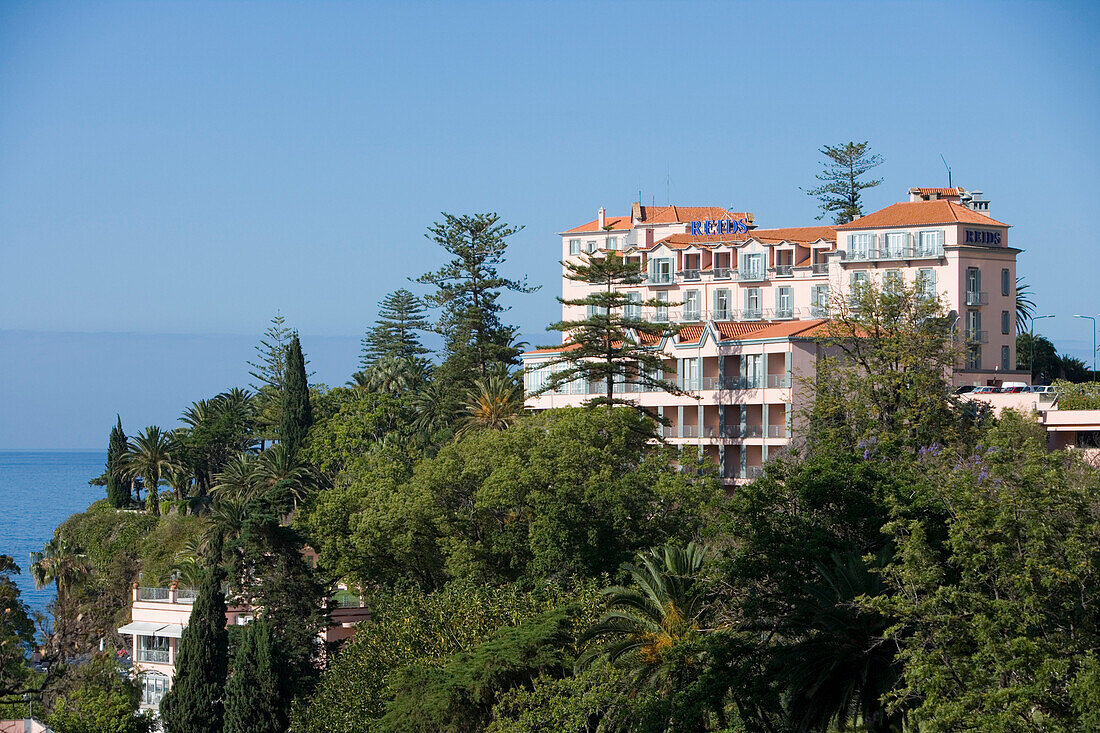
pixel 976 202
pixel 636 212
pixel 601 216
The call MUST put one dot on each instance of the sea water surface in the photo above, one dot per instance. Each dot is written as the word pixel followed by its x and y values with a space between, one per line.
pixel 38 491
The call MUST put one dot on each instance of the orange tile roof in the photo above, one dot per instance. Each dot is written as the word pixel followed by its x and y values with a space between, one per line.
pixel 682 214
pixel 740 330
pixel 690 334
pixel 803 235
pixel 618 224
pixel 552 349
pixel 956 191
pixel 921 213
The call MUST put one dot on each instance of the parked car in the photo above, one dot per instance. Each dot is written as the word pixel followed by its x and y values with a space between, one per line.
pixel 964 389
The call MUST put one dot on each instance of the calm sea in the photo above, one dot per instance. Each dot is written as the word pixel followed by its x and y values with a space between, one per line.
pixel 38 491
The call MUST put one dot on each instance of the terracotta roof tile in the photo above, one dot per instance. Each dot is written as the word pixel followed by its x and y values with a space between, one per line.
pixel 803 235
pixel 956 191
pixel 690 334
pixel 552 349
pixel 740 330
pixel 921 213
pixel 618 224
pixel 682 214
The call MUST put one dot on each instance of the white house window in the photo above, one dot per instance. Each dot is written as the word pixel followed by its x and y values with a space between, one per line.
pixel 859 246
pixel 752 304
pixel 930 243
pixel 721 305
pixel 612 242
pixel 574 246
pixel 691 305
pixel 660 270
pixel 784 302
pixel 857 282
pixel 752 267
pixel 896 244
pixel 590 246
pixel 819 300
pixel 689 373
pixel 153 687
pixel 662 310
pixel 633 308
pixel 152 649
pixel 926 283
pixel 893 281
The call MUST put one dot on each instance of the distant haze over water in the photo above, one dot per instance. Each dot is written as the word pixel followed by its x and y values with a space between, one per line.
pixel 38 491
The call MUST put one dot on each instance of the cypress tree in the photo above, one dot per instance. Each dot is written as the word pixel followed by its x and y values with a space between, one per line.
pixel 118 487
pixel 194 704
pixel 400 316
pixel 296 417
pixel 253 703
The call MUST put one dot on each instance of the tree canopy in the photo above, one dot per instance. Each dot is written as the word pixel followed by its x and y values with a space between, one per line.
pixel 842 185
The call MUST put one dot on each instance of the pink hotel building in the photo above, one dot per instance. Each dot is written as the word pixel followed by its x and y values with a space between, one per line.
pixel 753 300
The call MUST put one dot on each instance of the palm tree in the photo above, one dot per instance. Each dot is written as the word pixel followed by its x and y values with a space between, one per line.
pixel 179 478
pixel 60 562
pixel 493 403
pixel 150 456
pixel 278 465
pixel 642 624
pixel 393 375
pixel 840 664
pixel 432 405
pixel 1025 306
pixel 239 479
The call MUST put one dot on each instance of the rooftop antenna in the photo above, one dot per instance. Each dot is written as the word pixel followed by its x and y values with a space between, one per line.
pixel 945 165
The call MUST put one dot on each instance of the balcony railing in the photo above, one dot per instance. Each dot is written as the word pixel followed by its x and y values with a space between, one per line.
pixel 751 275
pixel 722 273
pixel 976 297
pixel 688 274
pixel 159 595
pixel 777 431
pixel 782 314
pixel 754 472
pixel 977 337
pixel 750 315
pixel 729 383
pixel 819 311
pixel 784 270
pixel 661 278
pixel 186 595
pixel 778 381
pixel 154 656
pixel 820 268
pixel 902 253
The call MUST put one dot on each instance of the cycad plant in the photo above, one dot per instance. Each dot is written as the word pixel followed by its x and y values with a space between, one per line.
pixel 493 403
pixel 662 607
pixel 150 456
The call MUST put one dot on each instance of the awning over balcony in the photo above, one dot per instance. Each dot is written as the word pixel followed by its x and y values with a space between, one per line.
pixel 145 628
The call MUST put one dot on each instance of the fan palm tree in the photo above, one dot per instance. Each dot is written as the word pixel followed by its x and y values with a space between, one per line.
pixel 239 479
pixel 60 562
pixel 643 622
pixel 393 375
pixel 840 665
pixel 150 456
pixel 1025 306
pixel 493 403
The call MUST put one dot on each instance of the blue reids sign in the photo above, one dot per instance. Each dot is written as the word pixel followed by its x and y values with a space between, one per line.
pixel 718 226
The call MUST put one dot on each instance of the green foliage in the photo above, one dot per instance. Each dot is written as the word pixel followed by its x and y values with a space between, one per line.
pixel 410 628
pixel 269 370
pixel 296 417
pixel 1038 354
pixel 16 631
pixel 467 289
pixel 841 185
pixel 1025 305
pixel 96 697
pixel 194 704
pixel 493 403
pixel 605 346
pixel 217 430
pixel 118 485
pixel 394 375
pixel 577 703
pixel 254 700
pixel 1082 396
pixel 400 316
pixel 149 456
pixel 361 424
pixel 999 619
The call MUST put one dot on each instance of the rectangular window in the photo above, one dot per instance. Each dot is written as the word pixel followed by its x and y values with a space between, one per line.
pixel 721 305
pixel 662 310
pixel 859 246
pixel 973 357
pixel 691 305
pixel 896 244
pixel 1006 322
pixel 595 311
pixel 926 283
pixel 153 649
pixel 153 687
pixel 857 281
pixel 660 270
pixel 689 374
pixel 1005 354
pixel 1006 282
pixel 752 304
pixel 974 326
pixel 784 302
pixel 930 243
pixel 754 371
pixel 752 267
pixel 974 295
pixel 633 309
pixel 574 246
pixel 893 281
pixel 612 242
pixel 819 305
pixel 590 246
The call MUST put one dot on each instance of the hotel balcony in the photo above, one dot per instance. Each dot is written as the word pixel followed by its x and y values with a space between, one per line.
pixel 746 276
pixel 976 297
pixel 688 275
pixel 783 270
pixel 820 269
pixel 977 337
pixel 722 273
pixel 902 253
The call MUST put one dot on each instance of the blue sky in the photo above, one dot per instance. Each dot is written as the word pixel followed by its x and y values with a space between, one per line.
pixel 171 174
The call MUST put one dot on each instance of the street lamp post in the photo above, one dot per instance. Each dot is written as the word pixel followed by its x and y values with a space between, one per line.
pixel 1093 319
pixel 1031 361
